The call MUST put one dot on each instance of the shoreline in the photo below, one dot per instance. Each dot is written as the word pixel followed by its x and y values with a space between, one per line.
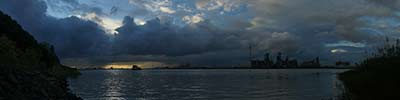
pixel 207 68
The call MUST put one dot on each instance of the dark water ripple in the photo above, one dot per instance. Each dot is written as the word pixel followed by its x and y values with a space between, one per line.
pixel 226 84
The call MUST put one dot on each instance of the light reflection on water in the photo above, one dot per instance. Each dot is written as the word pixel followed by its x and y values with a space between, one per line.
pixel 275 84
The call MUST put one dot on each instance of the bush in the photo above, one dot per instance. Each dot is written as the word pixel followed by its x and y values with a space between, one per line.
pixel 376 78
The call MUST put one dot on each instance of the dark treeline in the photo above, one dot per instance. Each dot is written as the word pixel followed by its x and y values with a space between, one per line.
pixel 30 70
pixel 377 77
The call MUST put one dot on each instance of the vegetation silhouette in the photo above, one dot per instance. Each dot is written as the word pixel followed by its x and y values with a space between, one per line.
pixel 30 70
pixel 375 78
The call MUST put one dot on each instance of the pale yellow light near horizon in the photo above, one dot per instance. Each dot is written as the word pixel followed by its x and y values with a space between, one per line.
pixel 128 65
pixel 117 66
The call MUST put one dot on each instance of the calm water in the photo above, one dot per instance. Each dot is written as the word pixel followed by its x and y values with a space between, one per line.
pixel 223 84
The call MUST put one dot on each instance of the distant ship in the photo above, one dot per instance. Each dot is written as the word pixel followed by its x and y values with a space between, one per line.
pixel 136 67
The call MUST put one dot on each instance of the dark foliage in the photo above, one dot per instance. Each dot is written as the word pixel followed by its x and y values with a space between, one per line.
pixel 30 70
pixel 377 77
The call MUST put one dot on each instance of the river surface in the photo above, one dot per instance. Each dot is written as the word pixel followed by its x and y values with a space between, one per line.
pixel 210 84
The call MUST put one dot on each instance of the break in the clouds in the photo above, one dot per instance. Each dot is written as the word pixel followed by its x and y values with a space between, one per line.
pixel 207 32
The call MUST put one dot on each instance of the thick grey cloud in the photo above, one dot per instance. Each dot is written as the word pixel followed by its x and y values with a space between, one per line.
pixel 316 23
pixel 212 32
pixel 156 38
pixel 72 36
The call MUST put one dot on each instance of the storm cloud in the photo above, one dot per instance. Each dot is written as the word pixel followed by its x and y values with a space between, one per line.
pixel 71 36
pixel 165 39
pixel 208 32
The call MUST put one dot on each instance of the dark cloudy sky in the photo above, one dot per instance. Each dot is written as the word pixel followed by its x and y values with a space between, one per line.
pixel 207 32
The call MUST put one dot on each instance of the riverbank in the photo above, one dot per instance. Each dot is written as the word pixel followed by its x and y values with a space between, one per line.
pixel 258 68
pixel 30 70
pixel 20 84
pixel 376 78
pixel 371 84
pixel 168 68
